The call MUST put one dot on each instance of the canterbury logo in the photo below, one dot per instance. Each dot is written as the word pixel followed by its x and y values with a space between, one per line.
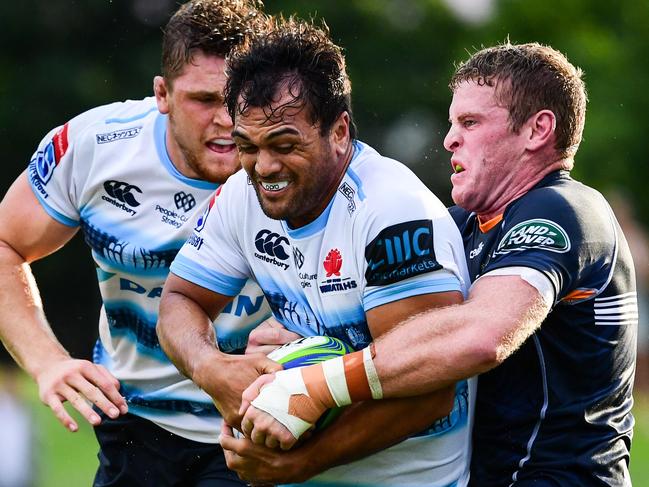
pixel 122 191
pixel 270 243
pixel 184 201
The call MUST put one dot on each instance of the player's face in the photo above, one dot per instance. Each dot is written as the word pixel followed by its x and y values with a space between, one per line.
pixel 486 158
pixel 294 169
pixel 199 127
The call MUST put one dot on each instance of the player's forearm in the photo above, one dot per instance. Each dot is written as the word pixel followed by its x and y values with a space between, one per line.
pixel 368 427
pixel 185 333
pixel 23 326
pixel 458 342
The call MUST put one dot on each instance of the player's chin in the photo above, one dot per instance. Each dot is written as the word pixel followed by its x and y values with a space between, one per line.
pixel 219 169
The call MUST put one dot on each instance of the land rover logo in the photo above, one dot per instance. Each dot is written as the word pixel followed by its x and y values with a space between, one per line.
pixel 534 234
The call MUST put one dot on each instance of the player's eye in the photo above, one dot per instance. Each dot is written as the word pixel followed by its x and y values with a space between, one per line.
pixel 284 148
pixel 247 148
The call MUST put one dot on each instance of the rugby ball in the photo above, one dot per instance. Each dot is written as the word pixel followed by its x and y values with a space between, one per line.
pixel 308 351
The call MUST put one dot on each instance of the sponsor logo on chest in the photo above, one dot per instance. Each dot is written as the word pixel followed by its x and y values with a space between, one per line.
pixel 128 133
pixel 271 248
pixel 333 281
pixel 538 234
pixel 122 195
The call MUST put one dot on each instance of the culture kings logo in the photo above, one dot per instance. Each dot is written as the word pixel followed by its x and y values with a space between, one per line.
pixel 538 234
pixel 333 264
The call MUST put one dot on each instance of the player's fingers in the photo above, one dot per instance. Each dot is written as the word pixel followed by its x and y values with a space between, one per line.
pixel 79 403
pixel 272 323
pixel 271 442
pixel 110 377
pixel 246 427
pixel 252 391
pixel 94 394
pixel 61 414
pixel 258 437
pixel 108 389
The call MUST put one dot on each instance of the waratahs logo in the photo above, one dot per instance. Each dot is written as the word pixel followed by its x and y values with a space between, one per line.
pixel 333 262
pixel 538 234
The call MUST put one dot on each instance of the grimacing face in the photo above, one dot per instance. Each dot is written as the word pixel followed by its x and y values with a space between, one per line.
pixel 294 169
pixel 486 153
pixel 199 127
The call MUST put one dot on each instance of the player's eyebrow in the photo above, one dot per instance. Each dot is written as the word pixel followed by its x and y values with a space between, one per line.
pixel 273 135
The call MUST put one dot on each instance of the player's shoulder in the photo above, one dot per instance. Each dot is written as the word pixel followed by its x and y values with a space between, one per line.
pixel 564 209
pixel 386 184
pixel 560 196
pixel 103 122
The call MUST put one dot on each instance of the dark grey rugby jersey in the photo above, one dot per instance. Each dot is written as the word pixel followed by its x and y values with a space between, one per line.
pixel 558 411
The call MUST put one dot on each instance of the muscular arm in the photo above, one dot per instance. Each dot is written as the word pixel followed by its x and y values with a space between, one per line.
pixel 187 337
pixel 376 425
pixel 429 350
pixel 28 233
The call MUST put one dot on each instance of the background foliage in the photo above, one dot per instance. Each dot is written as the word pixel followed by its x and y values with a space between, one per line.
pixel 60 57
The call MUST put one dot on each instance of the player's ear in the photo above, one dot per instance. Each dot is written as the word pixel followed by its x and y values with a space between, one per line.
pixel 161 90
pixel 339 135
pixel 540 129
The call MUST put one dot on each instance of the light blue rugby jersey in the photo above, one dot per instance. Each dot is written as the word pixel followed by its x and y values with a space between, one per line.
pixel 383 237
pixel 108 171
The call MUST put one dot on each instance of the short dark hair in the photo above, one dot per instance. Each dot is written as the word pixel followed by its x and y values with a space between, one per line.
pixel 529 78
pixel 213 27
pixel 302 56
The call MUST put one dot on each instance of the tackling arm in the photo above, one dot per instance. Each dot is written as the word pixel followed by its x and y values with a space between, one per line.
pixel 454 343
pixel 376 425
pixel 28 233
pixel 187 337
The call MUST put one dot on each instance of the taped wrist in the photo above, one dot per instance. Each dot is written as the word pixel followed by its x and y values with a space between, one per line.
pixel 344 380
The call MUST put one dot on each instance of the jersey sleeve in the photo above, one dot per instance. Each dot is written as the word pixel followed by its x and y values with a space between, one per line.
pixel 412 247
pixel 212 256
pixel 571 244
pixel 59 168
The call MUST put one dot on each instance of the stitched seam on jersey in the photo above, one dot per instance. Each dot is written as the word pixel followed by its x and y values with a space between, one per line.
pixel 544 408
pixel 130 119
pixel 57 215
pixel 614 261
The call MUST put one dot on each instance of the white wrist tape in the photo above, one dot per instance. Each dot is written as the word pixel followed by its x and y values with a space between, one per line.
pixel 274 400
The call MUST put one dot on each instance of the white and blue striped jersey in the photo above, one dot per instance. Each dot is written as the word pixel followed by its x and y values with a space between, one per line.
pixel 383 237
pixel 108 171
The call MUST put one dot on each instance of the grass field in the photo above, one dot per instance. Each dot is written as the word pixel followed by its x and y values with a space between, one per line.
pixel 69 459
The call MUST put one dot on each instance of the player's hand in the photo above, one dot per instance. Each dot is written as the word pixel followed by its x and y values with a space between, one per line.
pixel 82 384
pixel 277 410
pixel 268 336
pixel 224 377
pixel 260 465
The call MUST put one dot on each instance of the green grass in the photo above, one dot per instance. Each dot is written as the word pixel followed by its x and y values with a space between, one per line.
pixel 67 459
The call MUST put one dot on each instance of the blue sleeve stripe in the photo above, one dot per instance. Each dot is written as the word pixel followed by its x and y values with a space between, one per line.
pixel 388 294
pixel 59 217
pixel 207 278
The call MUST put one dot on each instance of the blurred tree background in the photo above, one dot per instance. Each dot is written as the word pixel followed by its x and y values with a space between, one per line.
pixel 61 57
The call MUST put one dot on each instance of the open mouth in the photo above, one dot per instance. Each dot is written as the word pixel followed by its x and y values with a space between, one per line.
pixel 457 168
pixel 273 186
pixel 221 145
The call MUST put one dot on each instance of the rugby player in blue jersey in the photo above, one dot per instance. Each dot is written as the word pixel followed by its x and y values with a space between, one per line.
pixel 133 176
pixel 551 317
